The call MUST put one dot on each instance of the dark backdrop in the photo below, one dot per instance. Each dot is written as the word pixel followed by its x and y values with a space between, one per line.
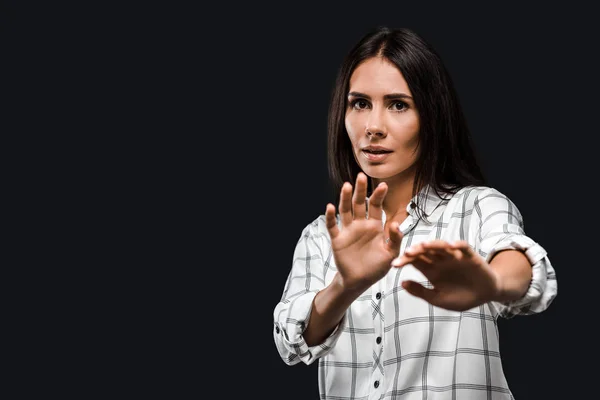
pixel 204 130
pixel 525 79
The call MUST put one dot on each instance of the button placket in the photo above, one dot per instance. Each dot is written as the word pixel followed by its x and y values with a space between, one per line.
pixel 378 303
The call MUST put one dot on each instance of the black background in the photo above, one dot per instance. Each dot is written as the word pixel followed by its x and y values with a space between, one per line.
pixel 201 137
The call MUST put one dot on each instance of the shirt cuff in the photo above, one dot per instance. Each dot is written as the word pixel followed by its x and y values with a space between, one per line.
pixel 539 294
pixel 291 332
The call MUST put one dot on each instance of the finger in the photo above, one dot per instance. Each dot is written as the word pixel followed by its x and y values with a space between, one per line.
pixel 401 261
pixel 394 235
pixel 419 261
pixel 423 262
pixel 434 250
pixel 331 221
pixel 345 207
pixel 436 244
pixel 359 198
pixel 410 255
pixel 418 290
pixel 414 250
pixel 376 201
pixel 439 254
pixel 464 247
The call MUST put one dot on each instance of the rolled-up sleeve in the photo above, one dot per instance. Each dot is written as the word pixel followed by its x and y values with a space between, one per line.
pixel 306 278
pixel 499 226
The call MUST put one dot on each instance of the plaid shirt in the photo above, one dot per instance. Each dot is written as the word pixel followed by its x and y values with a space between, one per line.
pixel 391 344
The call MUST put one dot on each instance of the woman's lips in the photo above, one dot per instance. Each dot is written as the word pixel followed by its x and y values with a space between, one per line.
pixel 375 156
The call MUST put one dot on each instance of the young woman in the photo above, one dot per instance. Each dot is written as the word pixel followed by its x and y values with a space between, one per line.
pixel 398 290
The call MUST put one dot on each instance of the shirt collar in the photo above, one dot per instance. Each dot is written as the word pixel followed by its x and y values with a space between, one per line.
pixel 428 201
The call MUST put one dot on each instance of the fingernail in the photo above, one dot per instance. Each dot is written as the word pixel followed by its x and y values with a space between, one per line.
pixel 395 262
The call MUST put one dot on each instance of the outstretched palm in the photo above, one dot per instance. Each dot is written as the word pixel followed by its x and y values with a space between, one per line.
pixel 461 278
pixel 360 249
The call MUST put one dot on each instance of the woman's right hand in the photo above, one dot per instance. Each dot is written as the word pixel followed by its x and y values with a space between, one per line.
pixel 362 254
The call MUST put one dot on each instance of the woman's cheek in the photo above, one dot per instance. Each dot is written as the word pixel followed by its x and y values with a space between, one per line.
pixel 351 124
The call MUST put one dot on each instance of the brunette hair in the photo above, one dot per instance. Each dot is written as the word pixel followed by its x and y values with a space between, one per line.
pixel 447 160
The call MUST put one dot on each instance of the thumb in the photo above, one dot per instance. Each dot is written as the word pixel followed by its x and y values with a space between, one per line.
pixel 418 290
pixel 395 236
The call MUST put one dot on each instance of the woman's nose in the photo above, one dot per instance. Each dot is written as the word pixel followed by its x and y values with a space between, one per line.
pixel 375 125
pixel 375 129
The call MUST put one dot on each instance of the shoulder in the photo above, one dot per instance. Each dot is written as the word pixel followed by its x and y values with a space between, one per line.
pixel 317 228
pixel 476 194
pixel 478 197
pixel 314 237
pixel 484 200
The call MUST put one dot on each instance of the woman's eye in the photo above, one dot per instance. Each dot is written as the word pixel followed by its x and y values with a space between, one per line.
pixel 399 106
pixel 359 104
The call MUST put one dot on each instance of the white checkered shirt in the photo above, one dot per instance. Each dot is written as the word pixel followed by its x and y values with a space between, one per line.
pixel 393 345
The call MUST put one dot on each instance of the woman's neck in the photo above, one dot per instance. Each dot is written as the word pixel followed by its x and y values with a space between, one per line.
pixel 399 194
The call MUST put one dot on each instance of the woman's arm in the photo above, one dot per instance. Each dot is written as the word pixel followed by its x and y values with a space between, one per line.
pixel 514 273
pixel 328 308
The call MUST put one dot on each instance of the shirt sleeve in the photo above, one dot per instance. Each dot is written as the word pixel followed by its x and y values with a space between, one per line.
pixel 499 226
pixel 312 256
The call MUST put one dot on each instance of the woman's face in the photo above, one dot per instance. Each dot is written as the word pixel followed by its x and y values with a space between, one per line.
pixel 381 120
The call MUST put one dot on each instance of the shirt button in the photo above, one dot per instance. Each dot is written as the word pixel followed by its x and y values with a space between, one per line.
pixel 412 205
pixel 376 384
pixel 378 295
pixel 276 329
pixel 378 340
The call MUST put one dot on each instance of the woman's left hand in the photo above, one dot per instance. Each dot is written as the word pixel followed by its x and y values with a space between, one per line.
pixel 461 278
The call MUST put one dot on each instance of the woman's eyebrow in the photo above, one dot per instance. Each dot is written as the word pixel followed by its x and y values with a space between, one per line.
pixel 390 96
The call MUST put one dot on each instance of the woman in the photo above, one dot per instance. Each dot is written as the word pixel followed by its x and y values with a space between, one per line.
pixel 397 292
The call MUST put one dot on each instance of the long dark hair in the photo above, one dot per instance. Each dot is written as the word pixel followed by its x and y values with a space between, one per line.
pixel 447 160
